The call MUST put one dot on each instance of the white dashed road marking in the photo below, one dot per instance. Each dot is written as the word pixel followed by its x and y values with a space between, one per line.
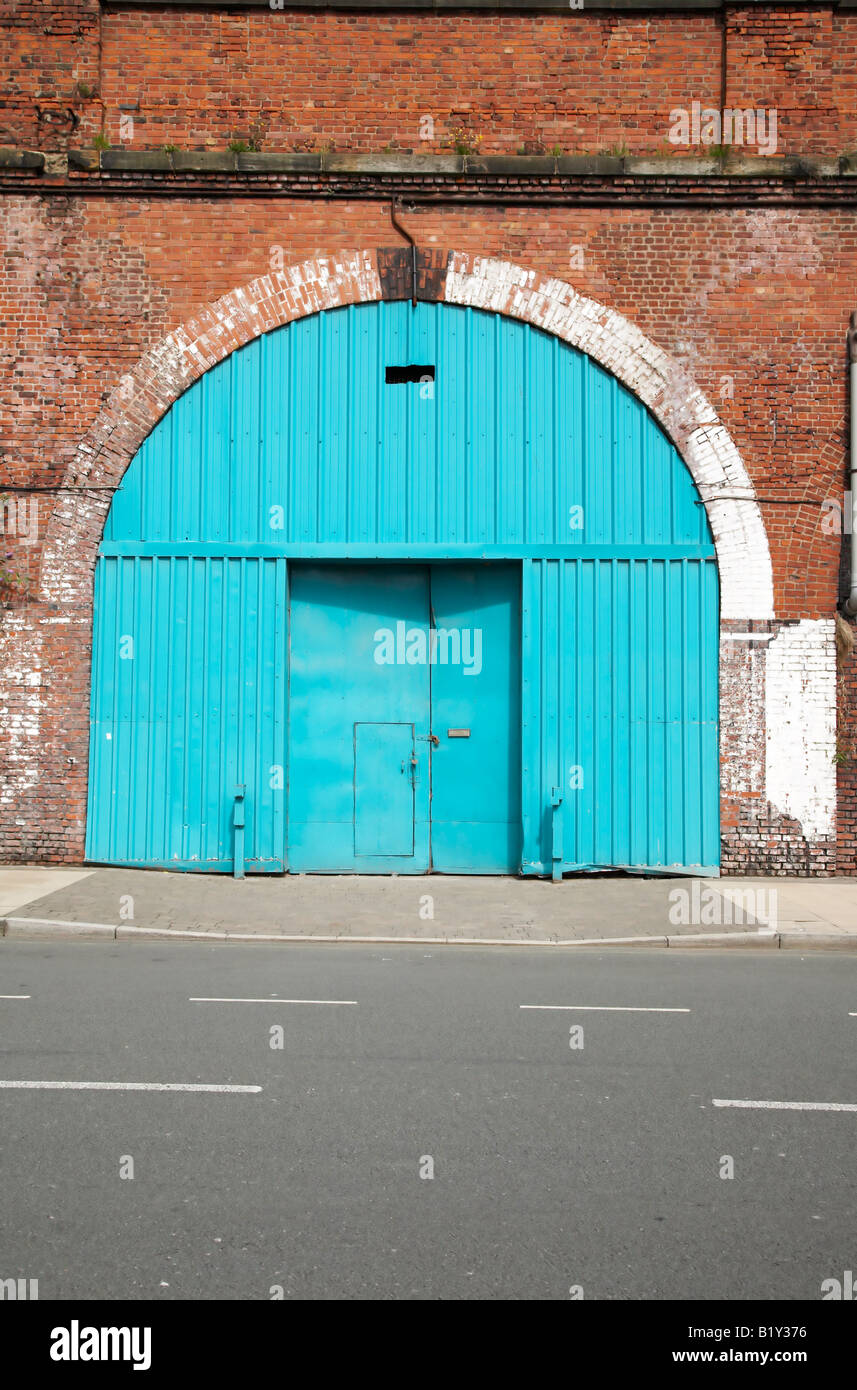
pixel 126 1086
pixel 605 1008
pixel 784 1105
pixel 193 1000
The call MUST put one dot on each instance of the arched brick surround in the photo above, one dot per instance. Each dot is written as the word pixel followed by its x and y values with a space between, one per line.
pixel 355 277
pixel 797 834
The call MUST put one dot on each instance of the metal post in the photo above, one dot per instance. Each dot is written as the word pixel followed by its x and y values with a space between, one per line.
pixel 238 823
pixel 556 834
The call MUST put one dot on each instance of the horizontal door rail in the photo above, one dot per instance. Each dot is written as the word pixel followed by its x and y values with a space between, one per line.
pixel 416 550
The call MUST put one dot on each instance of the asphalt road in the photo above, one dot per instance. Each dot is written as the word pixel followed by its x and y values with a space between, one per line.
pixel 596 1167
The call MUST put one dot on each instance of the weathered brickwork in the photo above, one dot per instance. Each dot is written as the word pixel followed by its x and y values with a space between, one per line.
pixel 303 80
pixel 728 322
pixel 50 59
pixel 496 82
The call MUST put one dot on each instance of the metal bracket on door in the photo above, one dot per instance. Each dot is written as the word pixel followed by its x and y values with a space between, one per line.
pixel 238 825
pixel 556 835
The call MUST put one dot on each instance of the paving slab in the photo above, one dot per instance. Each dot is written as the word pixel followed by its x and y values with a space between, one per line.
pixel 23 884
pixel 830 902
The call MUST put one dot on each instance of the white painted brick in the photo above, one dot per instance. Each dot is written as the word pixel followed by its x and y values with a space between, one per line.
pixel 800 709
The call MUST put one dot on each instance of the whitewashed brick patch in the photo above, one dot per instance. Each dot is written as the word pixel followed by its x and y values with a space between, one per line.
pixel 800 708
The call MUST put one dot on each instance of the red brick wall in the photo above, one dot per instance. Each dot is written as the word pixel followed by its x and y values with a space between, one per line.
pixel 783 58
pixel 304 80
pixel 352 81
pixel 843 64
pixel 48 48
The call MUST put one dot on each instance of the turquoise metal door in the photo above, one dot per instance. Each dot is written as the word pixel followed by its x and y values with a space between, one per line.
pixel 476 719
pixel 432 654
pixel 359 700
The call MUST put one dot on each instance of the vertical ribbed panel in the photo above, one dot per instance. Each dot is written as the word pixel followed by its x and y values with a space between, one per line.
pixel 188 701
pixel 516 428
pixel 620 696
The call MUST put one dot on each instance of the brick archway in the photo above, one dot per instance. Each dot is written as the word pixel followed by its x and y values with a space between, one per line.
pixel 355 277
pixel 761 701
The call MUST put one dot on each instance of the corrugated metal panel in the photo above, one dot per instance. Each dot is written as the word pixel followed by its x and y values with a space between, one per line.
pixel 620 713
pixel 297 441
pixel 188 702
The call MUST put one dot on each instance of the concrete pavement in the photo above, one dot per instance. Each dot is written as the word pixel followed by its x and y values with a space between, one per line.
pixel 126 903
pixel 19 886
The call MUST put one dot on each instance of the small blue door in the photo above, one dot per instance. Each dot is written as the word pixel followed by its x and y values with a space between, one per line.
pixel 384 781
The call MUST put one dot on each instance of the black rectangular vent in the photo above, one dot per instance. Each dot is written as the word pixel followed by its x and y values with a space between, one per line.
pixel 413 372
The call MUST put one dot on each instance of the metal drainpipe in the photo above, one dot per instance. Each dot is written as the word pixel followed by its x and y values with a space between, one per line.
pixel 849 607
pixel 406 234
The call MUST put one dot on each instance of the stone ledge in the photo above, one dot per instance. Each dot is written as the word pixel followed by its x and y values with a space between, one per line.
pixel 644 166
pixel 599 164
pixel 510 164
pixel 393 162
pixel 261 162
pixel 356 163
pixel 202 161
pixel 762 166
pixel 84 160
pixel 21 159
pixel 818 166
pixel 146 161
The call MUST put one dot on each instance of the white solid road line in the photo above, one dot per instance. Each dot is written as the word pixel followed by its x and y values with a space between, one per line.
pixel 605 1008
pixel 125 1086
pixel 15 996
pixel 193 1000
pixel 784 1105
